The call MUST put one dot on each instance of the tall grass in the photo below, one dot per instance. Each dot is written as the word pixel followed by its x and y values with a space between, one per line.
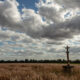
pixel 37 72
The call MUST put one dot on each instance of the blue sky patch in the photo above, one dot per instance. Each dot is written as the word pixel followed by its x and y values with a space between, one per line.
pixel 18 48
pixel 1 43
pixel 11 42
pixel 30 4
pixel 67 14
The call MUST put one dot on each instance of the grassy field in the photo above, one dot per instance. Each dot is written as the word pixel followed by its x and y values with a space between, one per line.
pixel 24 71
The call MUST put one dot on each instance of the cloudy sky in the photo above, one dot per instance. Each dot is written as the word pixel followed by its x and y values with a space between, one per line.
pixel 39 29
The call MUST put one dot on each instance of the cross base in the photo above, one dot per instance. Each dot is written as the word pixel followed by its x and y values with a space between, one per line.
pixel 67 68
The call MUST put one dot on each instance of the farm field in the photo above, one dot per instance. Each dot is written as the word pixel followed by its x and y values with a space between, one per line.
pixel 37 71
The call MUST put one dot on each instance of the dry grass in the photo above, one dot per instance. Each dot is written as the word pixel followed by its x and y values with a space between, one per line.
pixel 37 72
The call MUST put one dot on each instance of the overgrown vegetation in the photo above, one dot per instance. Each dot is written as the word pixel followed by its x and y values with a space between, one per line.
pixel 30 71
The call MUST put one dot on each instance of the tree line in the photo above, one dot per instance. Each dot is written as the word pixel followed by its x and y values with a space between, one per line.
pixel 38 61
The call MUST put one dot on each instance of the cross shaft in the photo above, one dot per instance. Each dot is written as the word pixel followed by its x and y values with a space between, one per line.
pixel 67 52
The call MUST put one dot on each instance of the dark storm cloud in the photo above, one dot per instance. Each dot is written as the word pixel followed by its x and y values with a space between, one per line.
pixel 32 23
pixel 68 3
pixel 60 29
pixel 63 30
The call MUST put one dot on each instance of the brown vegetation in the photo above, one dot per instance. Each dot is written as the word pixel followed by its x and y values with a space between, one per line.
pixel 36 71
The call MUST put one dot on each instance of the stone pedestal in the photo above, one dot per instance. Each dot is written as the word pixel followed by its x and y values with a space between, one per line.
pixel 68 68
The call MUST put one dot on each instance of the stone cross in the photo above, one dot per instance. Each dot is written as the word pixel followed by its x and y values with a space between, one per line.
pixel 67 52
pixel 68 67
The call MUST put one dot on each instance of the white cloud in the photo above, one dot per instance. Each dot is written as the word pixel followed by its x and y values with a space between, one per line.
pixel 9 14
pixel 55 25
pixel 45 31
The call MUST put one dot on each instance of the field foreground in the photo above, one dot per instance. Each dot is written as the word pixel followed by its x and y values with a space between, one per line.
pixel 24 71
